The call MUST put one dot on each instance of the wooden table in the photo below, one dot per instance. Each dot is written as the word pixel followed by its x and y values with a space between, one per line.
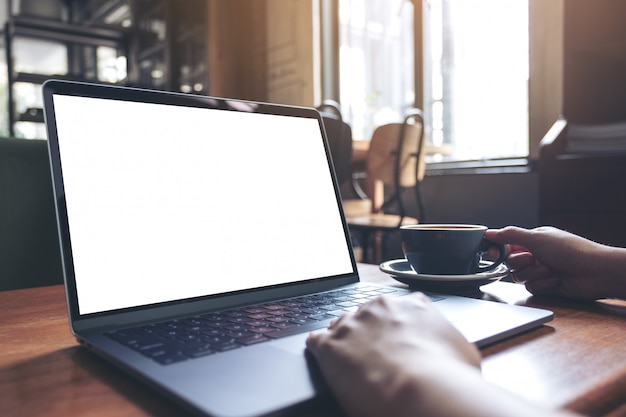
pixel 361 147
pixel 577 361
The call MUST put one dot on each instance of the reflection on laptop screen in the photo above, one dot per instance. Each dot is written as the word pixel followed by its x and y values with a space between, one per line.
pixel 169 202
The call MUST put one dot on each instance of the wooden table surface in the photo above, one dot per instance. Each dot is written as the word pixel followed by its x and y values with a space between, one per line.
pixel 577 361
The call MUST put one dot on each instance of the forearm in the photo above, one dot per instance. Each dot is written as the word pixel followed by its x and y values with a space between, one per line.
pixel 446 390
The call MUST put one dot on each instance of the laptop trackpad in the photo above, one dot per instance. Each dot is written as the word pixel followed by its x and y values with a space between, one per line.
pixel 269 376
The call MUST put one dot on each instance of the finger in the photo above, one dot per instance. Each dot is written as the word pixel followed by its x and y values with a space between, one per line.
pixel 516 237
pixel 334 323
pixel 521 260
pixel 544 286
pixel 531 273
pixel 515 248
pixel 313 341
pixel 318 338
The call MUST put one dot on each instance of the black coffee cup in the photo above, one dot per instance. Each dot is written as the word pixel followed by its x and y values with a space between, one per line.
pixel 449 249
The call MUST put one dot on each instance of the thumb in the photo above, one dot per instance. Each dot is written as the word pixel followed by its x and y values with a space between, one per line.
pixel 511 235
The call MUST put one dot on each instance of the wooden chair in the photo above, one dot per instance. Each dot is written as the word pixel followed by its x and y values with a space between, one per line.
pixel 395 164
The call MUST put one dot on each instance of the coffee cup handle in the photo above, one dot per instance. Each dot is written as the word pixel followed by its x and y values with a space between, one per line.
pixel 503 253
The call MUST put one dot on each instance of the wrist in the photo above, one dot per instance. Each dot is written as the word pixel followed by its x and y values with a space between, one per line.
pixel 612 276
pixel 426 387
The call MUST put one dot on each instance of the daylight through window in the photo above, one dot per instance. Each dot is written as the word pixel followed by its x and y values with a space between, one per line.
pixel 475 85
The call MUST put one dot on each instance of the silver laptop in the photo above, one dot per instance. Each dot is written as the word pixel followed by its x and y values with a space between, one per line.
pixel 202 239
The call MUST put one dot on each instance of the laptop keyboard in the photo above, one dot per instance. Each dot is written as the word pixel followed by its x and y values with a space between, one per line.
pixel 205 334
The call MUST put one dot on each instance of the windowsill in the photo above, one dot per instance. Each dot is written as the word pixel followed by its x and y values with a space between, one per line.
pixel 487 166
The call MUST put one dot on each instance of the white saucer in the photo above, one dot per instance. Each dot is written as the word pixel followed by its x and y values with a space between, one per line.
pixel 402 271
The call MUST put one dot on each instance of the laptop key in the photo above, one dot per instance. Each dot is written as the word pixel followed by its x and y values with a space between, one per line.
pixel 213 332
pixel 262 329
pixel 324 316
pixel 336 313
pixel 151 346
pixel 302 320
pixel 296 314
pixel 199 352
pixel 228 346
pixel 298 329
pixel 220 340
pixel 258 316
pixel 283 325
pixel 253 339
pixel 257 323
pixel 347 304
pixel 241 334
pixel 278 319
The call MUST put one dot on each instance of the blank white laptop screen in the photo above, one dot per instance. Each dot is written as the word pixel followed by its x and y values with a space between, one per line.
pixel 166 202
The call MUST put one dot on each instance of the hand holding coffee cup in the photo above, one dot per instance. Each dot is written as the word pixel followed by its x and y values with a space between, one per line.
pixel 449 249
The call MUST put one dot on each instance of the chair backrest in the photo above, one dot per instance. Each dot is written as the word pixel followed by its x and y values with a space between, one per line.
pixel 339 135
pixel 395 159
pixel 29 246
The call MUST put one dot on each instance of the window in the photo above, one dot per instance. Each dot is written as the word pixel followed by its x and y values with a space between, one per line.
pixel 475 87
pixel 476 82
pixel 375 62
pixel 36 59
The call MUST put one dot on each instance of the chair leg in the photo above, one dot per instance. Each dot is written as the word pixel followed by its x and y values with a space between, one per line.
pixel 378 247
pixel 372 246
pixel 356 188
pixel 361 252
pixel 369 243
pixel 366 243
pixel 357 247
pixel 420 202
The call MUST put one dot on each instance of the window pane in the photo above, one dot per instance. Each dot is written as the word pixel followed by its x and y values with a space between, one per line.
pixel 376 62
pixel 30 130
pixel 476 92
pixel 111 64
pixel 28 101
pixel 37 56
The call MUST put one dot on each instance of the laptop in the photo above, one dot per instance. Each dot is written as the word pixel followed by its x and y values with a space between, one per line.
pixel 202 239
